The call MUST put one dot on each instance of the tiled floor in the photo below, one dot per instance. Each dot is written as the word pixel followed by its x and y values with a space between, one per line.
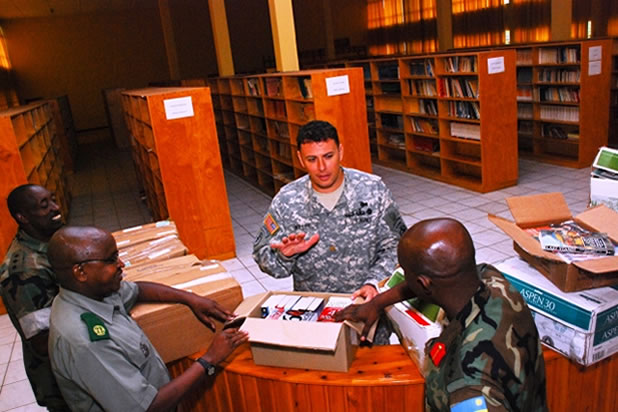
pixel 105 194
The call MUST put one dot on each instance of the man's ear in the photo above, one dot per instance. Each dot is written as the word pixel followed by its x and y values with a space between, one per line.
pixel 340 152
pixel 300 159
pixel 21 219
pixel 78 273
pixel 425 283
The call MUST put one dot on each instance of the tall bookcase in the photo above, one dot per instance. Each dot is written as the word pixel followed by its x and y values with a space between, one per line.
pixel 259 117
pixel 175 149
pixel 31 152
pixel 563 100
pixel 449 117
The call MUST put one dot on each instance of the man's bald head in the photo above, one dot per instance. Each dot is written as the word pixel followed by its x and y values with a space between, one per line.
pixel 438 248
pixel 74 244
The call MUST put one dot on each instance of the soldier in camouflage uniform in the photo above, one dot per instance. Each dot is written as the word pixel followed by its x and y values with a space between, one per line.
pixel 28 285
pixel 333 230
pixel 489 356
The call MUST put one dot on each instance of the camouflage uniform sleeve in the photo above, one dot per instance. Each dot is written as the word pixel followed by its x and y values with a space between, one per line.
pixel 270 260
pixel 389 232
pixel 28 289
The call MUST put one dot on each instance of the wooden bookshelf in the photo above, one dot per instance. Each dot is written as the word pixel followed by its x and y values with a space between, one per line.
pixel 444 116
pixel 563 100
pixel 179 165
pixel 259 117
pixel 32 152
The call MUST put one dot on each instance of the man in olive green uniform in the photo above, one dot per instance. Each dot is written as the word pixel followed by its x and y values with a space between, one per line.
pixel 101 358
pixel 28 285
pixel 488 358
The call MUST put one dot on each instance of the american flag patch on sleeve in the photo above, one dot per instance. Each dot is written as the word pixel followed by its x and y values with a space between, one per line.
pixel 270 224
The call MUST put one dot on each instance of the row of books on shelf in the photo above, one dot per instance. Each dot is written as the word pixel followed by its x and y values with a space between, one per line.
pixel 524 75
pixel 427 106
pixel 427 126
pixel 464 110
pixel 388 71
pixel 524 93
pixel 525 111
pixel 559 75
pixel 557 94
pixel 524 56
pixel 425 144
pixel 466 130
pixel 558 132
pixel 559 55
pixel 396 139
pixel 457 64
pixel 391 121
pixel 422 87
pixel 560 113
pixel 462 87
pixel 421 68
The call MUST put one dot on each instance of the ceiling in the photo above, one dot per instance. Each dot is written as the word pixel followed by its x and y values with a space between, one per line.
pixel 16 9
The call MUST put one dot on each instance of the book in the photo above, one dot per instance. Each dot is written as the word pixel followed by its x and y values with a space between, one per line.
pixel 569 237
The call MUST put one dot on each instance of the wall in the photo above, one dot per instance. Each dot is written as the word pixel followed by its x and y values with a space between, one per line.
pixel 81 55
pixel 193 37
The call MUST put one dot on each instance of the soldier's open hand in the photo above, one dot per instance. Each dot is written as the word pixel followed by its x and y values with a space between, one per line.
pixel 295 243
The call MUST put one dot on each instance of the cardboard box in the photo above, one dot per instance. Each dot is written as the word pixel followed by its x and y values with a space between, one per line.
pixel 538 210
pixel 173 328
pixel 163 268
pixel 143 233
pixel 581 325
pixel 604 179
pixel 328 346
pixel 152 251
pixel 412 327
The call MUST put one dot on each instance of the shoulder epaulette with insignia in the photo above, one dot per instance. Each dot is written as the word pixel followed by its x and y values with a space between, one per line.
pixel 96 327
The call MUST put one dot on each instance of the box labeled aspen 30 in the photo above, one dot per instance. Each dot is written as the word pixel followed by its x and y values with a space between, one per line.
pixel 581 325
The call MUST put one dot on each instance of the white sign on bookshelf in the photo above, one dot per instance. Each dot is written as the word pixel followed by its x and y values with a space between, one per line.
pixel 594 68
pixel 178 108
pixel 594 53
pixel 337 85
pixel 495 65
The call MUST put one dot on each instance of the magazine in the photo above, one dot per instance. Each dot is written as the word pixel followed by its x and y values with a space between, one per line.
pixel 569 237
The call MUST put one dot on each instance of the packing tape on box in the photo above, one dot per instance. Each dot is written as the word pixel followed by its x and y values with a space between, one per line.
pixel 202 280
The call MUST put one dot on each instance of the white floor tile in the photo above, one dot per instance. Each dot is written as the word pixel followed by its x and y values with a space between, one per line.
pixel 5 352
pixel 15 372
pixel 15 395
pixel 252 288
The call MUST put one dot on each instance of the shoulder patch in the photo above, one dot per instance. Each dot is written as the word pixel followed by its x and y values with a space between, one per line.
pixel 476 404
pixel 96 327
pixel 270 224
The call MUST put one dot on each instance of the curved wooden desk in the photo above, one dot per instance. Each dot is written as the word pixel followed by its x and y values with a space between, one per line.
pixel 382 378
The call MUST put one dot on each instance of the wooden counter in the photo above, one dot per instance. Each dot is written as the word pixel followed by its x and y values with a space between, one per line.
pixel 381 379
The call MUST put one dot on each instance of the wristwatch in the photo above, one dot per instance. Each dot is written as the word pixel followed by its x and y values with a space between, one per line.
pixel 208 367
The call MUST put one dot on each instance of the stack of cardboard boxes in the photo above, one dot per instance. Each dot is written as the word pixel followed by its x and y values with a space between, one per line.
pixel 154 253
pixel 575 304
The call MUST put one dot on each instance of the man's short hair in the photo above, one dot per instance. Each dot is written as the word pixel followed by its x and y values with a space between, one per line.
pixel 317 131
pixel 17 198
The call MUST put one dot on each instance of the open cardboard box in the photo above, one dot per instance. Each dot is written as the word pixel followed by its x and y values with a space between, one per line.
pixel 329 346
pixel 539 210
pixel 173 329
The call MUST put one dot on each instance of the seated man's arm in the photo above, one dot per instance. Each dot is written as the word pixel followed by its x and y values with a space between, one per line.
pixel 222 345
pixel 203 308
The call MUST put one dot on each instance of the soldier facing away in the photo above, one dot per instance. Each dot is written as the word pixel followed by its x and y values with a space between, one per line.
pixel 489 356
pixel 335 229
pixel 28 285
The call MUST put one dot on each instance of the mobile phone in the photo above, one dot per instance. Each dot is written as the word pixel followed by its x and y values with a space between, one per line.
pixel 234 323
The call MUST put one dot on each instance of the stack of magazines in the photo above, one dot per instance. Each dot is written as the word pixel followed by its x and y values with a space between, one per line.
pixel 574 242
